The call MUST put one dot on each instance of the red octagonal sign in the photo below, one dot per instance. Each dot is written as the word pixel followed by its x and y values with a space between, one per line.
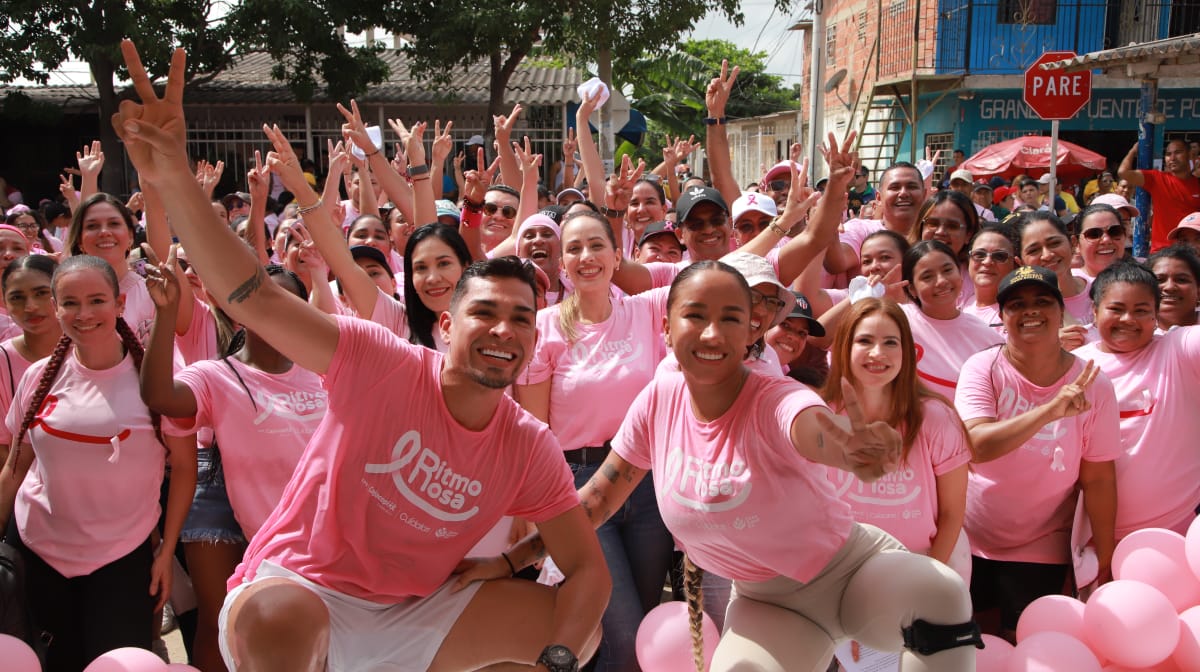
pixel 1054 94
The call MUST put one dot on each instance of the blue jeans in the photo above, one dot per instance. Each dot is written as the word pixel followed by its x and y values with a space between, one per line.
pixel 637 548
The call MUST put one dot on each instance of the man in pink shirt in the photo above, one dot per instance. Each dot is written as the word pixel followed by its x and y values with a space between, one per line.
pixel 418 457
pixel 901 195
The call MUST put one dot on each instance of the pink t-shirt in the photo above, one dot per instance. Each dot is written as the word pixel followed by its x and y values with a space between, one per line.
pixel 595 379
pixel 8 327
pixel 91 496
pixel 904 503
pixel 989 314
pixel 390 313
pixel 855 231
pixel 139 307
pixel 735 493
pixel 662 274
pixel 200 341
pixel 11 370
pixel 261 435
pixel 1080 306
pixel 1158 476
pixel 1020 506
pixel 392 492
pixel 943 346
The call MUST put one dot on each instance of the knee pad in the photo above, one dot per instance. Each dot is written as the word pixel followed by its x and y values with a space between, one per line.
pixel 927 638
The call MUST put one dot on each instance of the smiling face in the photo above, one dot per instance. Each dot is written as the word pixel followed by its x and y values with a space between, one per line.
pixel 540 245
pixel 936 282
pixel 984 269
pixel 436 269
pixel 588 255
pixel 663 247
pixel 380 275
pixel 645 207
pixel 1125 316
pixel 492 330
pixel 902 191
pixel 1100 253
pixel 947 223
pixel 749 225
pixel 87 306
pixel 789 338
pixel 499 213
pixel 1032 315
pixel 708 327
pixel 705 232
pixel 1042 244
pixel 12 245
pixel 1179 295
pixel 106 234
pixel 27 296
pixel 370 231
pixel 878 255
pixel 876 351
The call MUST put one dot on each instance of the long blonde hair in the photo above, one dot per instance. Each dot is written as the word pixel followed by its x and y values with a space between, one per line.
pixel 568 308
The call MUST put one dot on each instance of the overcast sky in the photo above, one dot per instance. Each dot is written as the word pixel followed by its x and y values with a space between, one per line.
pixel 763 30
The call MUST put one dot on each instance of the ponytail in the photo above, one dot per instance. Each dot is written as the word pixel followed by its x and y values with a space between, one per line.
pixel 694 594
pixel 49 375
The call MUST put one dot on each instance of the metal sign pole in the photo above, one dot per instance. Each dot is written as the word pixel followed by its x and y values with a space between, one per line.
pixel 1053 165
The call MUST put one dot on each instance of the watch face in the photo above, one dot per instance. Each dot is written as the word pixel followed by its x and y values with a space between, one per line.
pixel 558 657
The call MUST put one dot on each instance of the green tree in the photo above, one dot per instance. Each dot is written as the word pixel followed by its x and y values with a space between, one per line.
pixel 40 36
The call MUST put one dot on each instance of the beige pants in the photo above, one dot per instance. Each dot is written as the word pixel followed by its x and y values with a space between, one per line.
pixel 869 591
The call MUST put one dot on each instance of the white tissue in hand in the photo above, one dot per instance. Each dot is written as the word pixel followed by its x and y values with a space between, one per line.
pixel 594 88
pixel 861 288
pixel 926 168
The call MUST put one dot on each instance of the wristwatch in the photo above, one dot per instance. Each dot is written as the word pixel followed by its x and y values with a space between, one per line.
pixel 558 658
pixel 611 212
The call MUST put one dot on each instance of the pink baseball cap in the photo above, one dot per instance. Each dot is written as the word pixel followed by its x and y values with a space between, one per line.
pixel 1192 222
pixel 778 170
pixel 1117 202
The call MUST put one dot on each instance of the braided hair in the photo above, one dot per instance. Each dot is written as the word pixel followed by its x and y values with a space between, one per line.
pixel 54 364
pixel 694 594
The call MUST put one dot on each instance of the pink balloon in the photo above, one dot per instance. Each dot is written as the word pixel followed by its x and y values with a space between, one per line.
pixel 1158 558
pixel 17 655
pixel 1131 624
pixel 128 659
pixel 1192 547
pixel 664 639
pixel 1052 613
pixel 994 655
pixel 1187 653
pixel 1052 652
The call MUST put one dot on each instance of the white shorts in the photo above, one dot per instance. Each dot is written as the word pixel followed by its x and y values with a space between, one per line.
pixel 365 635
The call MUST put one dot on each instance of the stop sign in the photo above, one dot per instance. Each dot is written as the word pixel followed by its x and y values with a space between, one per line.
pixel 1054 94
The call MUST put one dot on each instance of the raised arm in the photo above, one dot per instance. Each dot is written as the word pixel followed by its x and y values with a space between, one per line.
pixel 259 180
pixel 1128 169
pixel 630 276
pixel 529 164
pixel 160 391
pixel 568 161
pixel 395 186
pixel 867 449
pixel 424 208
pixel 158 236
pixel 154 132
pixel 822 228
pixel 91 161
pixel 510 168
pixel 716 139
pixel 593 165
pixel 475 187
pixel 443 143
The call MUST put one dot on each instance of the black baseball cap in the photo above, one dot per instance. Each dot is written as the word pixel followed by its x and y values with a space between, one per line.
pixel 803 310
pixel 658 229
pixel 695 196
pixel 372 253
pixel 1028 275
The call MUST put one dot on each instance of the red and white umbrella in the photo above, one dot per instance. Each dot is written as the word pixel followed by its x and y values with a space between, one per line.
pixel 1030 155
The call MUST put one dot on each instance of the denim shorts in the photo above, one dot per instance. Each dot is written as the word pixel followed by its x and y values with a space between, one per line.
pixel 210 520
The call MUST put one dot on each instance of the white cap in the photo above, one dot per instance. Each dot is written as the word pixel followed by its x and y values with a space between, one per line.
pixel 757 270
pixel 961 174
pixel 754 201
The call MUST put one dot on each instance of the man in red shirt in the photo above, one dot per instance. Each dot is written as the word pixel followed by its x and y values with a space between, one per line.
pixel 1174 192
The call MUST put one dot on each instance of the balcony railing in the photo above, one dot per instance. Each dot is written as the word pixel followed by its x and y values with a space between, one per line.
pixel 1005 36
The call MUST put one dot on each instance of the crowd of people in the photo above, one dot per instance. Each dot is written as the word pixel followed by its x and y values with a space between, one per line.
pixel 387 429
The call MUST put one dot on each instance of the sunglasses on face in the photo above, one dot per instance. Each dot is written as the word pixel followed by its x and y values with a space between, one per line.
pixel 997 256
pixel 779 185
pixel 947 225
pixel 774 304
pixel 507 211
pixel 1114 231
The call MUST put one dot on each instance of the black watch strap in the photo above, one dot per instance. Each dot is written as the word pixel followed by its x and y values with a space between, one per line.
pixel 558 658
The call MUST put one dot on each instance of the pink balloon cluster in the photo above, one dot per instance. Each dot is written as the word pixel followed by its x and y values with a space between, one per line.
pixel 664 639
pixel 16 656
pixel 1146 620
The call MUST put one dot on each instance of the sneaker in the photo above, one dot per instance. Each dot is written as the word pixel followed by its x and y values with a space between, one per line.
pixel 168 620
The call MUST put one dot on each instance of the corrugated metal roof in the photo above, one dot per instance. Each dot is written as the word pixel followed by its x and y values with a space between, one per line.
pixel 249 81
pixel 534 83
pixel 1171 51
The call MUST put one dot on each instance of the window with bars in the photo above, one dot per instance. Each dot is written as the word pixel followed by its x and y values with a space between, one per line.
pixel 944 142
pixel 1027 12
pixel 831 47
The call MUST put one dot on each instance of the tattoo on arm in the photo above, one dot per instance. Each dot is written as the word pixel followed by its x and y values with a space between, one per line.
pixel 611 473
pixel 249 287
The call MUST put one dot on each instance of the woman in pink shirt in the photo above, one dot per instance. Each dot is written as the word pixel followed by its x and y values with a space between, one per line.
pixel 261 410
pixel 1157 380
pixel 83 516
pixel 993 255
pixel 950 217
pixel 763 511
pixel 1101 239
pixel 1046 242
pixel 944 335
pixel 922 503
pixel 26 286
pixel 1178 271
pixel 594 354
pixel 1044 428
